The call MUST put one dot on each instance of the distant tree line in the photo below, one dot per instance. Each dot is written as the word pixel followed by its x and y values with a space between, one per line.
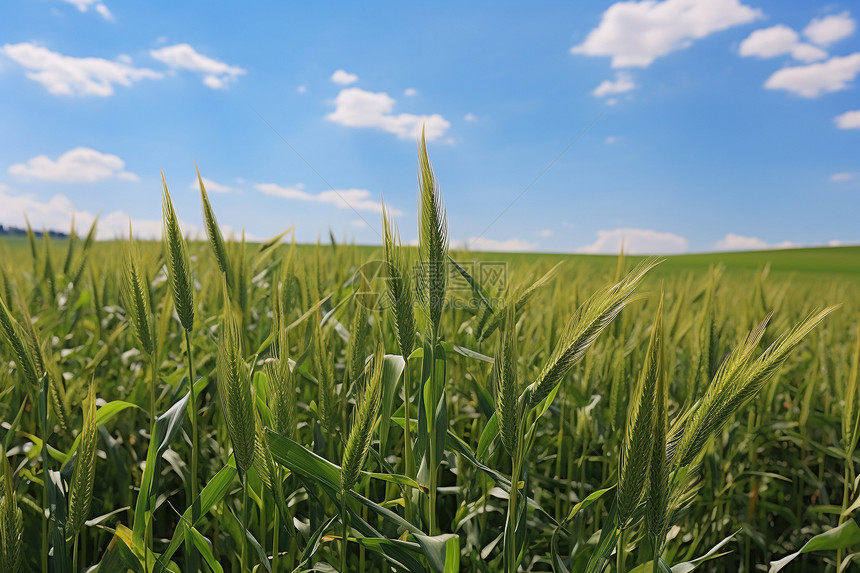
pixel 13 231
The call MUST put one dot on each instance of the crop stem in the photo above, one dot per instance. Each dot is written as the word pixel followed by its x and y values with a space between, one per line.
pixel 511 531
pixel 244 564
pixel 344 531
pixel 408 462
pixel 846 497
pixel 193 405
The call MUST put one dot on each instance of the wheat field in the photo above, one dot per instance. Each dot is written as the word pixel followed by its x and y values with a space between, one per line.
pixel 218 405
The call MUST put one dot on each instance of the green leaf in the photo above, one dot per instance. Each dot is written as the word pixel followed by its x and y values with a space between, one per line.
pixel 103 416
pixel 394 550
pixel 442 552
pixel 688 566
pixel 488 436
pixel 313 543
pixel 204 548
pixel 303 461
pixel 119 555
pixel 214 491
pixel 557 561
pixel 167 426
pixel 463 351
pixel 398 479
pixel 845 535
pixel 393 366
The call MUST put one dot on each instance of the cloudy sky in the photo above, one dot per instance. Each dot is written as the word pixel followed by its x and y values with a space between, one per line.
pixel 674 125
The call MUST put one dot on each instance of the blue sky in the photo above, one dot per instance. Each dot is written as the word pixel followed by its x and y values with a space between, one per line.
pixel 675 125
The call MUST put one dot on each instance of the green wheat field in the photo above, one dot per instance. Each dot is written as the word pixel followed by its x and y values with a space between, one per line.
pixel 217 405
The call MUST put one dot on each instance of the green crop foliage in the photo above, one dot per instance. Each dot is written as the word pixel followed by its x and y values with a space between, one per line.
pixel 220 405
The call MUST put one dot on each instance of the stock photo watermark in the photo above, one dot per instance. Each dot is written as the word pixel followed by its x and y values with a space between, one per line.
pixel 371 282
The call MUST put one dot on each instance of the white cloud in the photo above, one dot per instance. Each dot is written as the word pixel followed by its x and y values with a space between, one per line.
pixel 358 199
pixel 470 117
pixel 79 165
pixel 103 10
pixel 848 120
pixel 634 34
pixel 825 31
pixel 211 186
pixel 622 83
pixel 355 107
pixel 813 80
pixel 545 233
pixel 840 177
pixel 184 57
pixel 732 242
pixel 343 77
pixel 302 89
pixel 409 92
pixel 610 139
pixel 778 40
pixel 85 5
pixel 71 76
pixel 57 212
pixel 636 242
pixel 493 245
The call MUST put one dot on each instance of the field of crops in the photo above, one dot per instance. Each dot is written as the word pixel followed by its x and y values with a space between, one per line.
pixel 223 406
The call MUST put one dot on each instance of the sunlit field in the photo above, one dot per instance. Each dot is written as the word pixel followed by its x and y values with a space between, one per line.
pixel 227 406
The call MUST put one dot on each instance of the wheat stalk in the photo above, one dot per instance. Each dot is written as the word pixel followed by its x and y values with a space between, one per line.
pixel 657 493
pixel 583 329
pixel 639 435
pixel 213 231
pixel 15 337
pixel 11 522
pixel 361 432
pixel 398 286
pixel 135 292
pixel 234 389
pixel 507 384
pixel 84 474
pixel 739 378
pixel 432 240
pixel 178 262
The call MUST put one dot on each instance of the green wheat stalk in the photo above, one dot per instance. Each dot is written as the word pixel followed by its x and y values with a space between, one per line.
pixel 84 474
pixel 584 327
pixel 11 522
pixel 432 240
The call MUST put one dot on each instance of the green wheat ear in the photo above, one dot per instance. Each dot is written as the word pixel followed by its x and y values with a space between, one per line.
pixel 432 239
pixel 359 331
pixel 584 327
pixel 84 474
pixel 216 239
pixel 738 380
pixel 367 409
pixel 178 262
pixel 657 495
pixel 398 285
pixel 11 522
pixel 325 379
pixel 234 389
pixel 851 412
pixel 490 320
pixel 639 432
pixel 135 292
pixel 24 354
pixel 507 385
pixel 33 356
pixel 281 389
